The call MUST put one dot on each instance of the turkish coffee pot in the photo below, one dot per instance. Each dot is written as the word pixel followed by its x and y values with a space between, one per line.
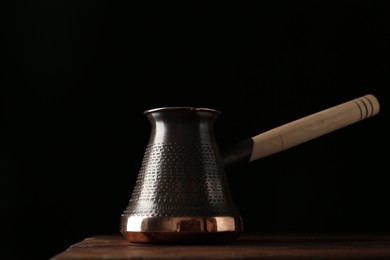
pixel 181 194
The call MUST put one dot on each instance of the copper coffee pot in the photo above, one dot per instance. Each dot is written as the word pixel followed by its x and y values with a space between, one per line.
pixel 181 194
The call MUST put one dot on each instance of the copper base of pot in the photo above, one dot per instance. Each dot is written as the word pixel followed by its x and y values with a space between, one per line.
pixel 181 230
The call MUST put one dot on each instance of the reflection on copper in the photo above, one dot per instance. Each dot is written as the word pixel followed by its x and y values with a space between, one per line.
pixel 180 229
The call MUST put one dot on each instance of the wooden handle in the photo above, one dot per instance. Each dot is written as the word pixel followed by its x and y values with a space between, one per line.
pixel 313 126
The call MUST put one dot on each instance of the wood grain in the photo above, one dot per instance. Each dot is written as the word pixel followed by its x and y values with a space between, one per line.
pixel 313 126
pixel 248 246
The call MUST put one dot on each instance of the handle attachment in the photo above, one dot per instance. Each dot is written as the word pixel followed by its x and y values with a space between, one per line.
pixel 302 130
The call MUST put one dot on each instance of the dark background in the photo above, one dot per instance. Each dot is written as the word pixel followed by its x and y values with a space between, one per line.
pixel 76 77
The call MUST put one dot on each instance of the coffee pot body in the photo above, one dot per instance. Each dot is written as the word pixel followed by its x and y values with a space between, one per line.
pixel 181 192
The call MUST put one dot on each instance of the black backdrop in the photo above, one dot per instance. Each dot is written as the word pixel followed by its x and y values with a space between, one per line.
pixel 77 76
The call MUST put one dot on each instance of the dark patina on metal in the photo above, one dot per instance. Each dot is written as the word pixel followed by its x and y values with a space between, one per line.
pixel 181 193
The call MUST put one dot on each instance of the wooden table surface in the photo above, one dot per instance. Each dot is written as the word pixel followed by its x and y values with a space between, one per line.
pixel 248 246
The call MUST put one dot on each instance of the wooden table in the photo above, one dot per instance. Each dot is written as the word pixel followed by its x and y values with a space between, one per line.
pixel 248 246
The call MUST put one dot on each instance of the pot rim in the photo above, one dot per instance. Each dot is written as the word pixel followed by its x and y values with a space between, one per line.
pixel 182 108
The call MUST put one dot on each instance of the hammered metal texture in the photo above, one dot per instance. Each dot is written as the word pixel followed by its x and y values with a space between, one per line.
pixel 181 172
